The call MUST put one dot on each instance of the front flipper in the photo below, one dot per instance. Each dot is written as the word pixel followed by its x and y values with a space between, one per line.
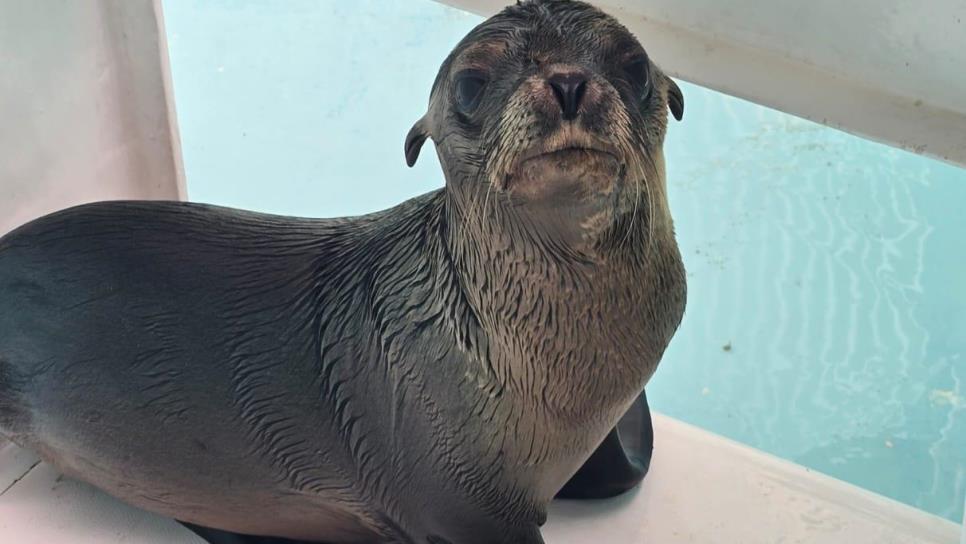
pixel 613 469
pixel 217 536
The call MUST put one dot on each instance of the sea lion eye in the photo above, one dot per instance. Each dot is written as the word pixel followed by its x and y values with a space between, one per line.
pixel 638 72
pixel 469 90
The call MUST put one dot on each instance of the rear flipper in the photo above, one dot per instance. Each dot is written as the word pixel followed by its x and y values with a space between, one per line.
pixel 621 460
pixel 217 536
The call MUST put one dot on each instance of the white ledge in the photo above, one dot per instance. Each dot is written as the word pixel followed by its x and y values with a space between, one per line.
pixel 701 488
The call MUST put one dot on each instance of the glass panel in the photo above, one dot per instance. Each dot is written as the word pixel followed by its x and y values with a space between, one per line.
pixel 827 274
pixel 826 299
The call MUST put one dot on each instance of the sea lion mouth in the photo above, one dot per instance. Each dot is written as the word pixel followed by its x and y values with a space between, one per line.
pixel 564 173
pixel 567 142
pixel 565 153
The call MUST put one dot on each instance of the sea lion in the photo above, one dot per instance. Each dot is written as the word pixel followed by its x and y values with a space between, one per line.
pixel 432 373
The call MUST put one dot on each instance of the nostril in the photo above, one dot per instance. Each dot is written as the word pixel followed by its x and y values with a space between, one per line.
pixel 569 89
pixel 561 93
pixel 579 93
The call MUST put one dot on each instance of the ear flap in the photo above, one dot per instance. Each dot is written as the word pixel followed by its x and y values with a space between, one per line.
pixel 414 141
pixel 675 99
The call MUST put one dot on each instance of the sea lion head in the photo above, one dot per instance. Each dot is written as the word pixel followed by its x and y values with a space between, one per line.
pixel 552 111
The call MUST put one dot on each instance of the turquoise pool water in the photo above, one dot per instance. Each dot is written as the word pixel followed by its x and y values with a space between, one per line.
pixel 826 318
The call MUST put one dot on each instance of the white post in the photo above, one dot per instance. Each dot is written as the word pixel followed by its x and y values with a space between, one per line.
pixel 962 536
pixel 85 99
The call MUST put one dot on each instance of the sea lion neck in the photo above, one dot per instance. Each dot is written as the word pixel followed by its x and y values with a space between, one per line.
pixel 547 244
pixel 525 288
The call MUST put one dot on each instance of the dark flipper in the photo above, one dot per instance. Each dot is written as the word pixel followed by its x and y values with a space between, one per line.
pixel 621 460
pixel 217 536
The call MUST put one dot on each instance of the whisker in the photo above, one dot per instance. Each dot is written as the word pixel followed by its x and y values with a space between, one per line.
pixel 651 205
pixel 633 220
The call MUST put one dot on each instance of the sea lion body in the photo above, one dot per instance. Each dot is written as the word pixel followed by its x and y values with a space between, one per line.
pixel 143 338
pixel 435 372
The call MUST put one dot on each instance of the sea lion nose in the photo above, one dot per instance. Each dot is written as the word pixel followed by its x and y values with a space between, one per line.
pixel 569 88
